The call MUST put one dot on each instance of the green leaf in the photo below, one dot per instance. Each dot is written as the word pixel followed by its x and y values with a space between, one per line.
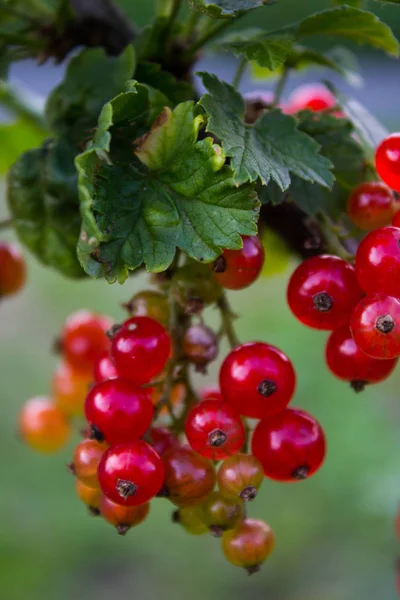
pixel 92 78
pixel 267 51
pixel 176 192
pixel 271 148
pixel 42 196
pixel 358 25
pixel 225 9
pixel 151 74
pixel 356 3
pixel 341 60
pixel 16 138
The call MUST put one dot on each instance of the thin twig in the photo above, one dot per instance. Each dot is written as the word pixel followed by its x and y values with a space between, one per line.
pixel 280 86
pixel 227 318
pixel 239 72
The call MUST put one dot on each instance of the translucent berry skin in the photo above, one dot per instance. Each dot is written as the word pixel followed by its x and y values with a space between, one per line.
pixel 249 545
pixel 118 409
pixel 378 261
pixel 290 446
pixel 140 349
pixel 211 392
pixel 214 429
pixel 69 389
pixel 43 426
pixel 122 517
pixel 12 269
pixel 104 368
pixel 189 477
pixel 375 326
pixel 387 161
pixel 240 476
pixel 87 455
pixel 161 439
pixel 200 345
pixel 89 496
pixel 221 514
pixel 314 97
pixel 192 519
pixel 237 269
pixel 257 379
pixel 149 303
pixel 323 292
pixel 131 474
pixel 346 361
pixel 371 205
pixel 83 339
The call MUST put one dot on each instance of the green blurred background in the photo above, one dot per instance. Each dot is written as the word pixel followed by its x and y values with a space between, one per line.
pixel 335 537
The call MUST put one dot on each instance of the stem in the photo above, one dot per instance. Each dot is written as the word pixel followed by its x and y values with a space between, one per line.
pixel 6 224
pixel 280 86
pixel 227 318
pixel 239 72
pixel 192 22
pixel 334 246
pixel 208 35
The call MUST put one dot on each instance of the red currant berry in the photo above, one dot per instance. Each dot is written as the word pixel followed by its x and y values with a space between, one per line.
pixel 290 446
pixel 12 269
pixel 192 519
pixel 104 368
pixel 323 292
pixel 375 326
pixel 315 97
pixel 118 410
pixel 221 514
pixel 257 379
pixel 378 261
pixel 240 476
pixel 211 392
pixel 87 455
pixel 140 349
pixel 371 205
pixel 348 362
pixel 387 161
pixel 200 345
pixel 249 545
pixel 70 388
pixel 122 517
pixel 84 338
pixel 161 439
pixel 189 477
pixel 43 426
pixel 149 303
pixel 237 269
pixel 89 496
pixel 131 474
pixel 214 429
pixel 396 219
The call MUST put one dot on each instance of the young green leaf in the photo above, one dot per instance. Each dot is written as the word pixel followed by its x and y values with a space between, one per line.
pixel 268 51
pixel 272 148
pixel 358 25
pixel 176 192
pixel 225 9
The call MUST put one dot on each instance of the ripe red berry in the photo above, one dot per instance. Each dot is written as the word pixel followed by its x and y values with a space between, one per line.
pixel 161 439
pixel 192 519
pixel 83 339
pixel 140 349
pixel 221 514
pixel 189 477
pixel 85 461
pixel 378 261
pixel 118 410
pixel 257 379
pixel 315 97
pixel 214 429
pixel 104 368
pixel 371 205
pixel 122 517
pixel 240 476
pixel 249 545
pixel 396 219
pixel 290 446
pixel 237 269
pixel 323 292
pixel 387 161
pixel 89 496
pixel 149 303
pixel 375 326
pixel 70 388
pixel 211 392
pixel 131 474
pixel 12 269
pixel 43 426
pixel 200 345
pixel 348 362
